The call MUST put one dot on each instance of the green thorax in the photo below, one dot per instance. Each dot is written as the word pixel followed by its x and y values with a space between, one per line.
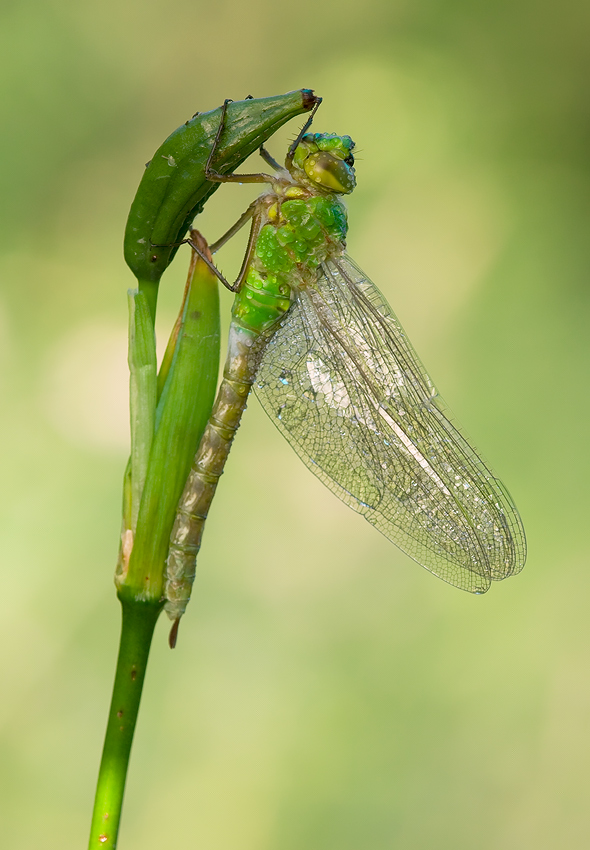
pixel 299 234
pixel 303 225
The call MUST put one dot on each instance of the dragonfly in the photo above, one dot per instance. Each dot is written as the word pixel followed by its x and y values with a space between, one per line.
pixel 335 371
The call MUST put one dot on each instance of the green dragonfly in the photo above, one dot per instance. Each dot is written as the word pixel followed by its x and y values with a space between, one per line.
pixel 336 373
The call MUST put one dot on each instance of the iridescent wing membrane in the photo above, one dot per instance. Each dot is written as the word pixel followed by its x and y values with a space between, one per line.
pixel 343 384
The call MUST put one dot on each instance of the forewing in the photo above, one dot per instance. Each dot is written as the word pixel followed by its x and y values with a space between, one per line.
pixel 341 381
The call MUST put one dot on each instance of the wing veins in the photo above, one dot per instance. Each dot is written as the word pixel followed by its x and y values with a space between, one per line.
pixel 454 533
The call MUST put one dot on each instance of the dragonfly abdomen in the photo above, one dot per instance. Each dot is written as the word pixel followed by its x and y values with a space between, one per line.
pixel 207 467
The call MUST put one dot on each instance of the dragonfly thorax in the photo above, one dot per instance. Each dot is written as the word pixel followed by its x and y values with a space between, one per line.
pixel 300 224
pixel 297 235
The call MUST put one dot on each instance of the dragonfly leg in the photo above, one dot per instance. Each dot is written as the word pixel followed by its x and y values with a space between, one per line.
pixel 246 216
pixel 215 176
pixel 254 233
pixel 302 132
pixel 255 229
pixel 269 159
pixel 191 241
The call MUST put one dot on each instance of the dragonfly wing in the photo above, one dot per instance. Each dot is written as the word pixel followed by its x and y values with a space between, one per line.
pixel 341 381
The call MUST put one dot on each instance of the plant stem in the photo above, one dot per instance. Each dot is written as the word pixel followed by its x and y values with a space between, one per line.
pixel 139 620
pixel 150 290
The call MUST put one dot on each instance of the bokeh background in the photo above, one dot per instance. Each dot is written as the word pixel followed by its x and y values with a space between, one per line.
pixel 326 692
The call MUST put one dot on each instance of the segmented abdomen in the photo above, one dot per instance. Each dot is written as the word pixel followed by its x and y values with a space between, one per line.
pixel 185 539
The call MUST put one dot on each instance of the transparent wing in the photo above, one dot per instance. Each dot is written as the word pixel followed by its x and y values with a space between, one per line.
pixel 343 384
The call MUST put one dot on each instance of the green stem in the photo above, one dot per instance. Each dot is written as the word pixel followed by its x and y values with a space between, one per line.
pixel 150 289
pixel 139 620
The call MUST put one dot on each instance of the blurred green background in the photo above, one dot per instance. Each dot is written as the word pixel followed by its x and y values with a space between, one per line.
pixel 326 692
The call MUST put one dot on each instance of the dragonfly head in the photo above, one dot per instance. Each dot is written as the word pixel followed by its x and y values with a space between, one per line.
pixel 325 161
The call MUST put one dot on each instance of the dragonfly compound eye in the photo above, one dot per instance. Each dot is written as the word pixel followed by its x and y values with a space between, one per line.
pixel 330 172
